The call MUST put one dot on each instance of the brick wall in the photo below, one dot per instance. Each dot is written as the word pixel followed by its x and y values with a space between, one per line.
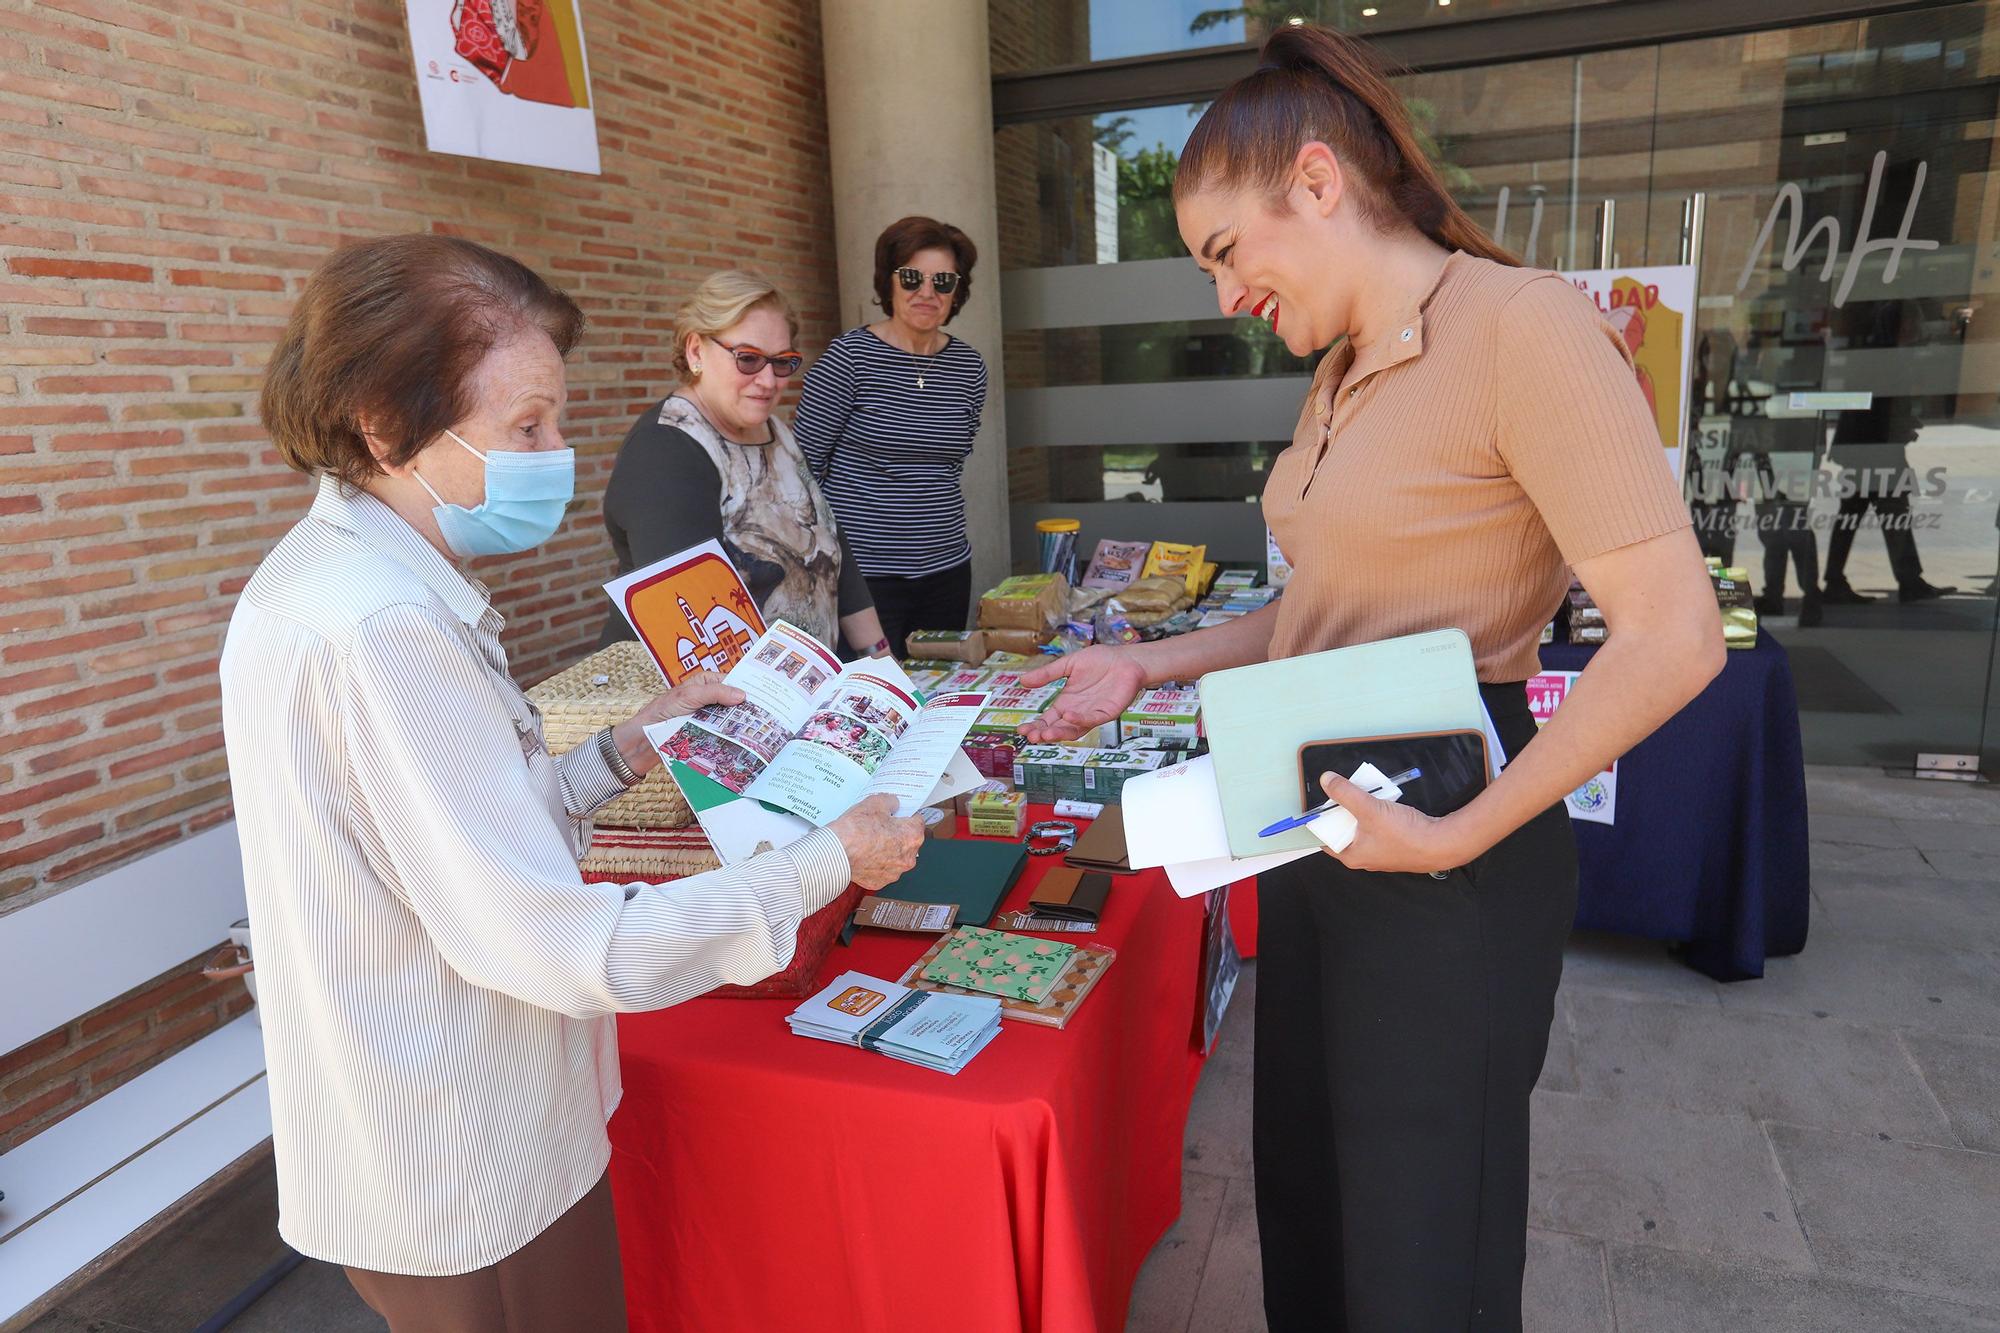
pixel 170 171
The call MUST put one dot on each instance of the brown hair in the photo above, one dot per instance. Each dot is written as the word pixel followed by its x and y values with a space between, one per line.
pixel 388 331
pixel 904 237
pixel 1314 84
pixel 723 298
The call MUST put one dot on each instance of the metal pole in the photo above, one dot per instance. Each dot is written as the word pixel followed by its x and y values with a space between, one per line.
pixel 1607 224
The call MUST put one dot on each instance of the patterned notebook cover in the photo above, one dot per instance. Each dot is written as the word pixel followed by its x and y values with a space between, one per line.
pixel 1086 965
pixel 992 962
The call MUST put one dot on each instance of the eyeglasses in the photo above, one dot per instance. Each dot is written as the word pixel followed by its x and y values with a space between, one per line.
pixel 944 284
pixel 751 360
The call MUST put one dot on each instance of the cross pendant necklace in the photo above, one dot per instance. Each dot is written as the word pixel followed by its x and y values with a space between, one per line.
pixel 925 363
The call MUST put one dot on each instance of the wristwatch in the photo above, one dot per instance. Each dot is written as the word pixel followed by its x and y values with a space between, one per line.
pixel 1061 830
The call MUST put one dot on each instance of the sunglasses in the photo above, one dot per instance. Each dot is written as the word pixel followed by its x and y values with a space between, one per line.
pixel 749 360
pixel 944 284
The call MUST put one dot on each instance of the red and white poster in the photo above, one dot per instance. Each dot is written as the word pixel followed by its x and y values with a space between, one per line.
pixel 1596 801
pixel 506 80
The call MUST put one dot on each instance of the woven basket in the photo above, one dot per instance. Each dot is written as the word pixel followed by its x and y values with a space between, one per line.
pixel 622 855
pixel 602 690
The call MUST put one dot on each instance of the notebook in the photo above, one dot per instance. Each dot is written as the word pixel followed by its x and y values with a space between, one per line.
pixel 992 962
pixel 972 876
pixel 1258 716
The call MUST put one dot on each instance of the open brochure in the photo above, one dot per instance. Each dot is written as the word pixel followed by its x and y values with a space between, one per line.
pixel 811 739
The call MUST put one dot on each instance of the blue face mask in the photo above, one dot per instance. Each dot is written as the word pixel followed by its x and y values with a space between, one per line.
pixel 526 493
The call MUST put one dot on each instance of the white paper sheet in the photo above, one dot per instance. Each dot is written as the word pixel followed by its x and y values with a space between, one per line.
pixel 1173 818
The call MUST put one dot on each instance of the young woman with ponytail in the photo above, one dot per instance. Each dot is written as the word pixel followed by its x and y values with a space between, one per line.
pixel 1474 435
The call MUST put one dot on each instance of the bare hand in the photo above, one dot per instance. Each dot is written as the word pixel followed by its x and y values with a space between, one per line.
pixel 880 846
pixel 1392 836
pixel 693 694
pixel 1103 682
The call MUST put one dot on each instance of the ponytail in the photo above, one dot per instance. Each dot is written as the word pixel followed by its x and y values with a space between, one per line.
pixel 1313 84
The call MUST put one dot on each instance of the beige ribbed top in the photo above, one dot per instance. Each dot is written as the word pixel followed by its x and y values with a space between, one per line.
pixel 1451 476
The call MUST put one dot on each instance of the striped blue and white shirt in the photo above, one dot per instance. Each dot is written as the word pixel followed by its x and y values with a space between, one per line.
pixel 888 454
pixel 435 978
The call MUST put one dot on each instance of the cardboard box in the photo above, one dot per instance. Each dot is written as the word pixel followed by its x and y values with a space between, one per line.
pixel 1033 602
pixel 1169 712
pixel 1050 773
pixel 956 645
pixel 992 753
pixel 996 814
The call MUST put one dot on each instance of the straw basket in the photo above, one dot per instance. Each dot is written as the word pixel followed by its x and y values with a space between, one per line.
pixel 653 856
pixel 603 689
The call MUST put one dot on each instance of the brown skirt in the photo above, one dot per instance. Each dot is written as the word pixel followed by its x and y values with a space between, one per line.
pixel 566 1278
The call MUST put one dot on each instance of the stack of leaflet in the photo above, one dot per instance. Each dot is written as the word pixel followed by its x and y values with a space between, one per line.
pixel 941 1032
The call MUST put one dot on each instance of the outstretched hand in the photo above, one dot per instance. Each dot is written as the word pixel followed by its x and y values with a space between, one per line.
pixel 1391 836
pixel 1103 682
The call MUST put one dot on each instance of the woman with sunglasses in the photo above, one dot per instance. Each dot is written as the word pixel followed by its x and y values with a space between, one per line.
pixel 712 460
pixel 887 418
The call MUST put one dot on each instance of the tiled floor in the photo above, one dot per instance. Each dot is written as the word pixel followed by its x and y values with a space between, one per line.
pixel 1815 1151
pixel 1818 1150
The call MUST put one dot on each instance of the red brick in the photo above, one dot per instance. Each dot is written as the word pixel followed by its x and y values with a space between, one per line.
pixel 248 282
pixel 20 504
pixel 72 755
pixel 23 681
pixel 178 803
pixel 39 1049
pixel 51 416
pixel 103 384
pixel 139 763
pixel 29 266
pixel 125 439
pixel 20 798
pixel 72 643
pixel 160 704
pixel 67 586
pixel 143 1000
pixel 53 90
pixel 28 1112
pixel 97 857
pixel 70 702
pixel 20 854
pixel 87 555
pixel 117 495
pixel 171 650
pixel 15 739
pixel 121 797
pixel 56 327
pixel 117 13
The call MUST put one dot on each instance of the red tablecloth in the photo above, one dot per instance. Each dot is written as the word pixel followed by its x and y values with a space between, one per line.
pixel 765 1181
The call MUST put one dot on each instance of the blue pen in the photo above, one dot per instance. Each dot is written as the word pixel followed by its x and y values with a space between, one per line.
pixel 1300 821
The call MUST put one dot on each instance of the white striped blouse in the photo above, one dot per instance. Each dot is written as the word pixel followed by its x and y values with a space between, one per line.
pixel 435 978
pixel 888 452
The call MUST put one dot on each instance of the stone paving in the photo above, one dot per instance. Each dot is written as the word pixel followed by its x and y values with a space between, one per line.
pixel 1818 1150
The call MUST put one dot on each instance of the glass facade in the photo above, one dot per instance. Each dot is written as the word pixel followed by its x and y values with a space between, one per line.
pixel 1847 236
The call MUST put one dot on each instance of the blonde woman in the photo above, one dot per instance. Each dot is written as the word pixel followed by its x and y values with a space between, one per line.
pixel 712 460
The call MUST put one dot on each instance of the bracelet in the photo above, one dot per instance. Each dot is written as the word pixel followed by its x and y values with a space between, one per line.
pixel 1061 830
pixel 607 746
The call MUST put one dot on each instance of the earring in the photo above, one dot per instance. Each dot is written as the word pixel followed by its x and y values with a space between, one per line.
pixel 696 369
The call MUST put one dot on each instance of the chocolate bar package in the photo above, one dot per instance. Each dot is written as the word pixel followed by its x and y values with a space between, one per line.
pixel 1116 563
pixel 1050 773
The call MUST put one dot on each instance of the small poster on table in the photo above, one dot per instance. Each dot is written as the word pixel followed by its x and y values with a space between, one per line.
pixel 1596 801
pixel 1653 311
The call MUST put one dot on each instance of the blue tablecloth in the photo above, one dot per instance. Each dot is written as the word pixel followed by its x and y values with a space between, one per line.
pixel 1710 842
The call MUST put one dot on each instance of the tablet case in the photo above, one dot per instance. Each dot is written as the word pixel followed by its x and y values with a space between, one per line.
pixel 1258 716
pixel 1071 894
pixel 1453 765
pixel 1101 845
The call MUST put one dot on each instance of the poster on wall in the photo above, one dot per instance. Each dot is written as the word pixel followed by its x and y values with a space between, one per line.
pixel 506 80
pixel 1596 801
pixel 1653 311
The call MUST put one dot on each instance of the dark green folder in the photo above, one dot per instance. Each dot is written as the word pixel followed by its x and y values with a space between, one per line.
pixel 973 874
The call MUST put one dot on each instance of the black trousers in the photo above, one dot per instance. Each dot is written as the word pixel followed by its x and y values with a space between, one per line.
pixel 929 601
pixel 1401 1024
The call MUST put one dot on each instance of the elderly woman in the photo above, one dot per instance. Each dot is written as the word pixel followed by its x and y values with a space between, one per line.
pixel 437 978
pixel 713 460
pixel 887 418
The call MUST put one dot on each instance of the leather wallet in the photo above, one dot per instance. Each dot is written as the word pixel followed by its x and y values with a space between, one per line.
pixel 1101 846
pixel 1071 894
